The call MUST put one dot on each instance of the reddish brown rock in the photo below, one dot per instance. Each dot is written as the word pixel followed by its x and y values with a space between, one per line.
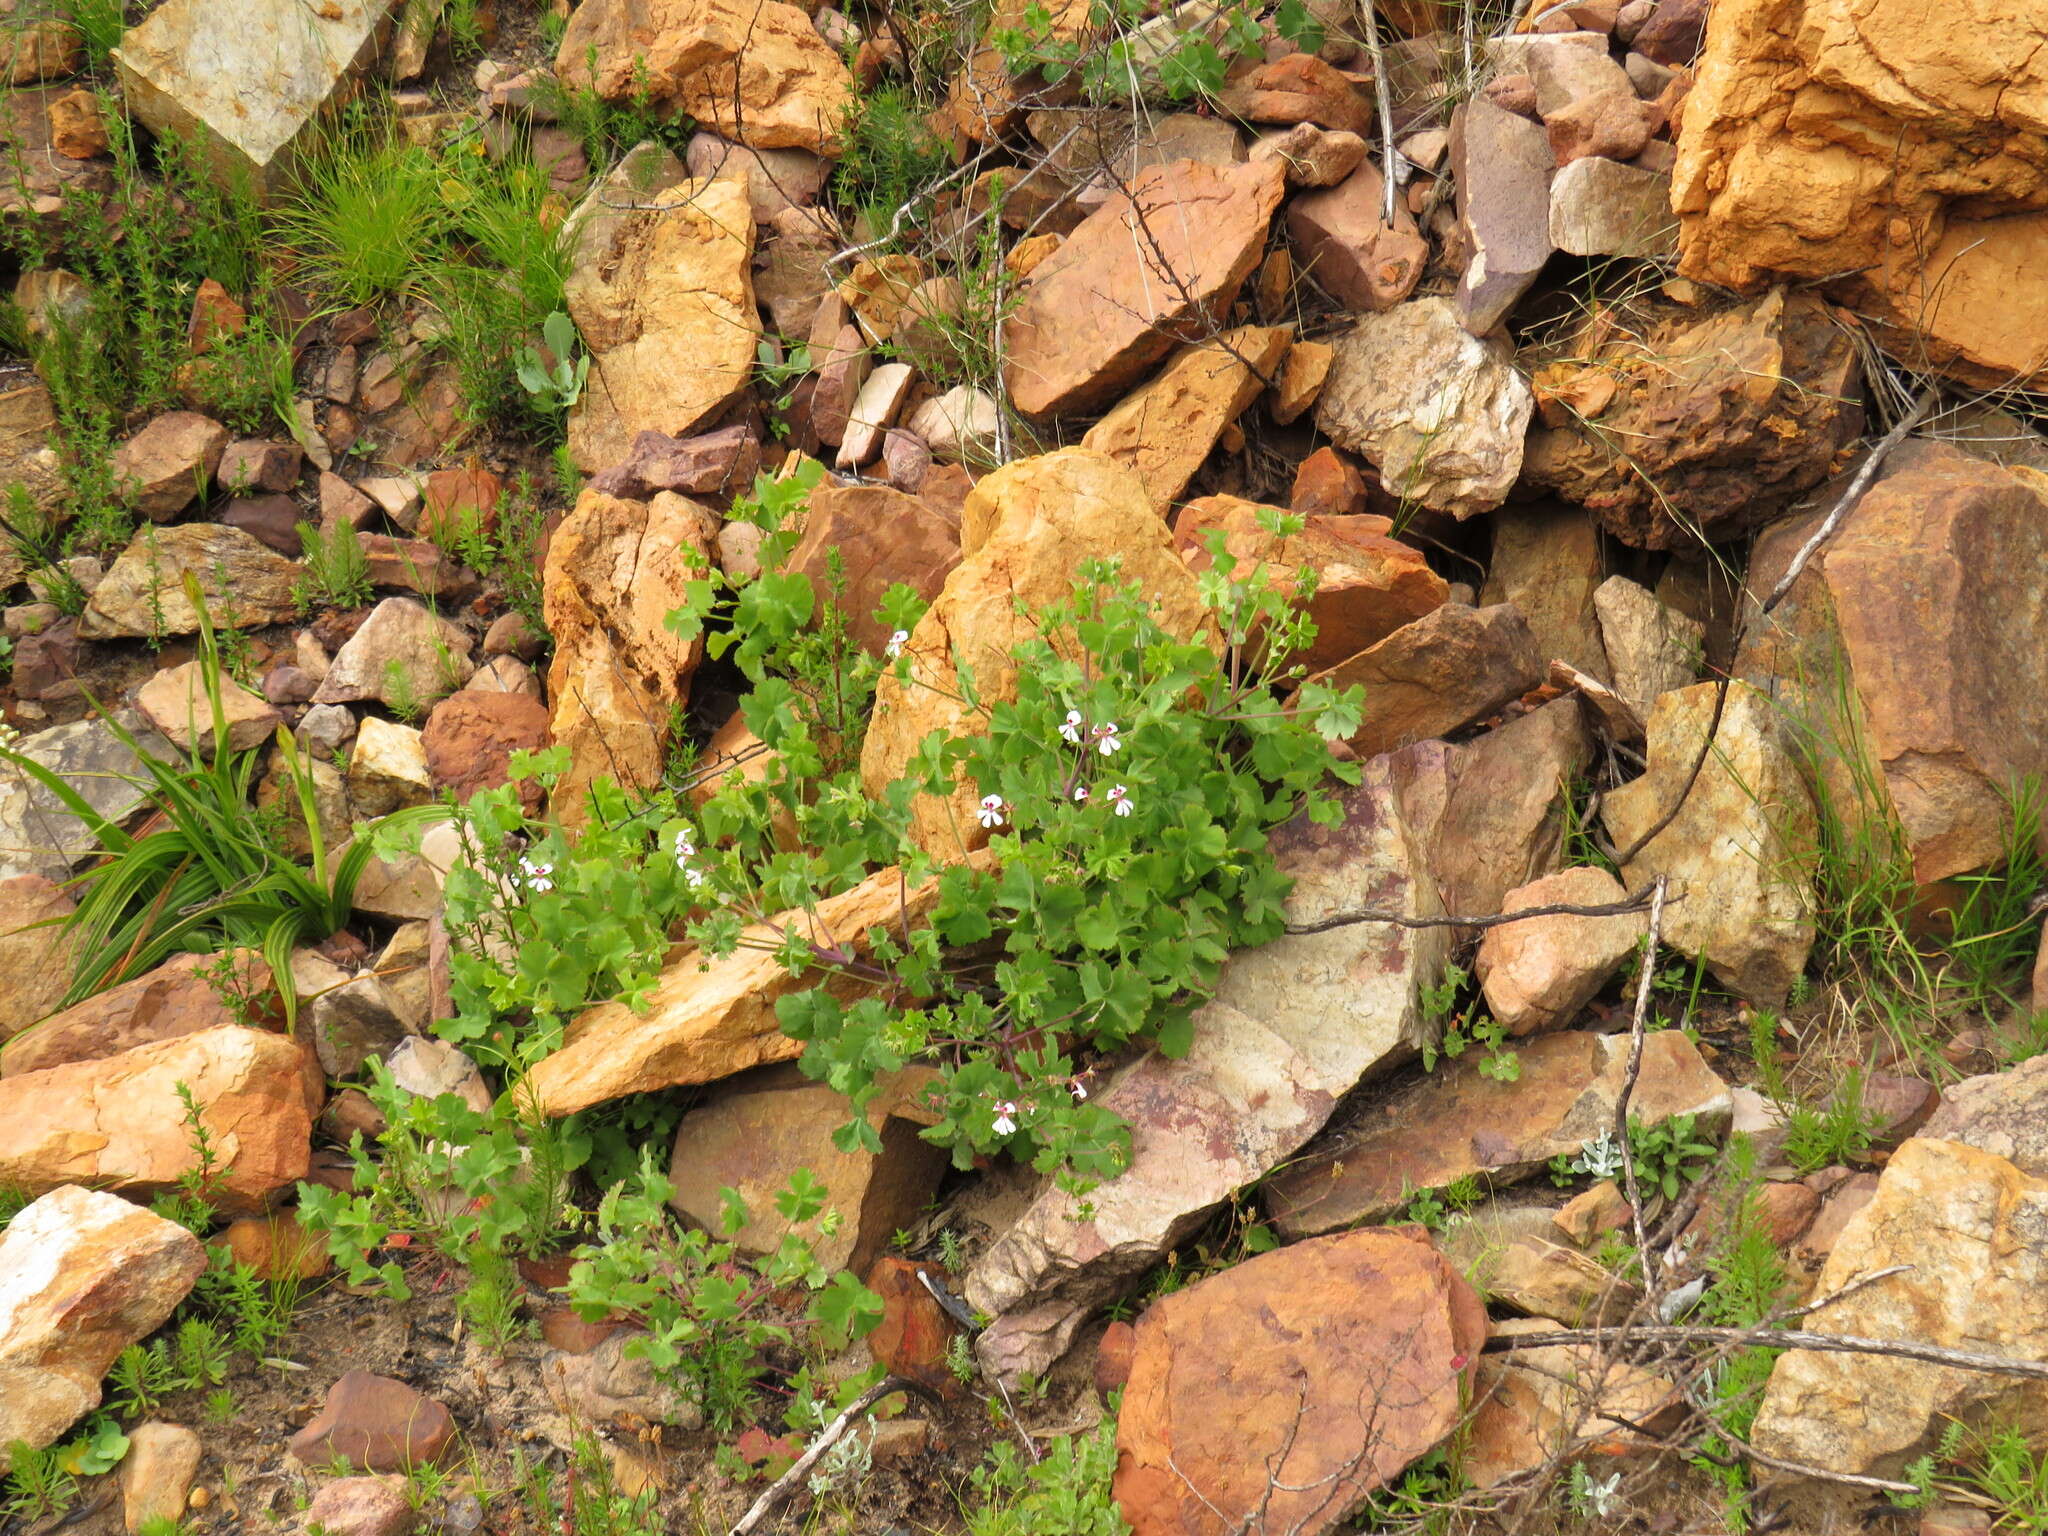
pixel 1367 584
pixel 166 466
pixel 173 1000
pixel 456 500
pixel 1113 1356
pixel 1942 552
pixel 1452 666
pixel 1611 125
pixel 275 1247
pixel 1342 241
pixel 1501 165
pixel 1293 1385
pixel 360 1506
pixel 254 465
pixel 1503 817
pixel 1093 318
pixel 1296 88
pixel 376 1423
pixel 77 129
pixel 470 738
pixel 720 463
pixel 1456 1121
pixel 1727 420
pixel 1539 973
pixel 1328 485
pixel 915 1334
pixel 881 537
pixel 215 315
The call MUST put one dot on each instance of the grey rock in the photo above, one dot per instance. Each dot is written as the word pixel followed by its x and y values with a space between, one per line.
pixel 38 836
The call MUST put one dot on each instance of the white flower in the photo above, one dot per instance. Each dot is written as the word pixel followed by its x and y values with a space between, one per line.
pixel 895 643
pixel 1006 1117
pixel 537 875
pixel 1121 799
pixel 1071 729
pixel 693 877
pixel 1107 741
pixel 685 849
pixel 991 813
pixel 1080 794
pixel 1078 1089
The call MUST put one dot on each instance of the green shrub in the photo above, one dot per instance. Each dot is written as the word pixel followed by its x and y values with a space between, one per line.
pixel 365 210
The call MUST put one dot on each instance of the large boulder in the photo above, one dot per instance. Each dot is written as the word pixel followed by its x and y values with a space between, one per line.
pixel 1024 530
pixel 753 70
pixel 1280 1393
pixel 1741 845
pixel 1971 1231
pixel 83 1275
pixel 1165 429
pixel 615 570
pixel 1905 143
pixel 177 998
pixel 1367 584
pixel 1457 1121
pixel 142 597
pixel 188 69
pixel 1882 652
pixel 119 1122
pixel 708 1019
pixel 1705 428
pixel 1293 1026
pixel 662 292
pixel 1161 264
pixel 1440 413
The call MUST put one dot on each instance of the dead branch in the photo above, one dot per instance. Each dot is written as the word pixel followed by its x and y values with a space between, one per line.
pixel 829 1436
pixel 1636 1029
pixel 1778 1338
pixel 1345 919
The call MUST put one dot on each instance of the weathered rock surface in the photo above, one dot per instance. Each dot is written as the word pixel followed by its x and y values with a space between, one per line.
pixel 1650 649
pixel 1439 412
pixel 614 1385
pixel 403 655
pixel 662 294
pixel 83 1275
pixel 162 1462
pixel 762 1128
pixel 1023 531
pixel 185 71
pixel 1538 973
pixel 470 737
pixel 1342 242
pixel 177 703
pixel 1501 164
pixel 1738 848
pixel 880 537
pixel 118 1122
pixel 143 595
pixel 168 465
pixel 387 768
pixel 1367 584
pixel 754 70
pixel 1514 1253
pixel 36 953
pixel 163 1004
pixel 1898 611
pixel 615 569
pixel 378 1423
pixel 710 1019
pixel 1456 1121
pixel 1294 1024
pixel 1705 428
pixel 1975 1231
pixel 38 835
pixel 1503 816
pixel 1166 428
pixel 2004 1113
pixel 360 1506
pixel 1601 207
pixel 1535 1403
pixel 1907 143
pixel 1094 316
pixel 1452 666
pixel 1289 1387
pixel 1547 562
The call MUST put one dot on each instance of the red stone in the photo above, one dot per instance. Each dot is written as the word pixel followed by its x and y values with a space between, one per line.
pixel 376 1423
pixel 912 1338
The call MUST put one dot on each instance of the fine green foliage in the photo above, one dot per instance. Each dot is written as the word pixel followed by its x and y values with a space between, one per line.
pixel 1065 1493
pixel 1838 1131
pixel 206 875
pixel 891 157
pixel 1997 1466
pixel 99 24
pixel 709 1311
pixel 1129 790
pixel 43 1482
pixel 365 210
pixel 1115 59
pixel 586 1499
pixel 336 568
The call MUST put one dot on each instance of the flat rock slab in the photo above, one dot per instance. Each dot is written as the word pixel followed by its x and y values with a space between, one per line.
pixel 1278 1394
pixel 38 836
pixel 142 597
pixel 377 1423
pixel 1455 1122
pixel 245 79
pixel 83 1275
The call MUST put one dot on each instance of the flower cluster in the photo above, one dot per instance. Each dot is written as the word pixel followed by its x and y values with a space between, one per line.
pixel 686 852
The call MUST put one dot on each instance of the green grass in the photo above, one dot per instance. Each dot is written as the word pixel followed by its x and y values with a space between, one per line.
pixel 366 211
pixel 210 875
